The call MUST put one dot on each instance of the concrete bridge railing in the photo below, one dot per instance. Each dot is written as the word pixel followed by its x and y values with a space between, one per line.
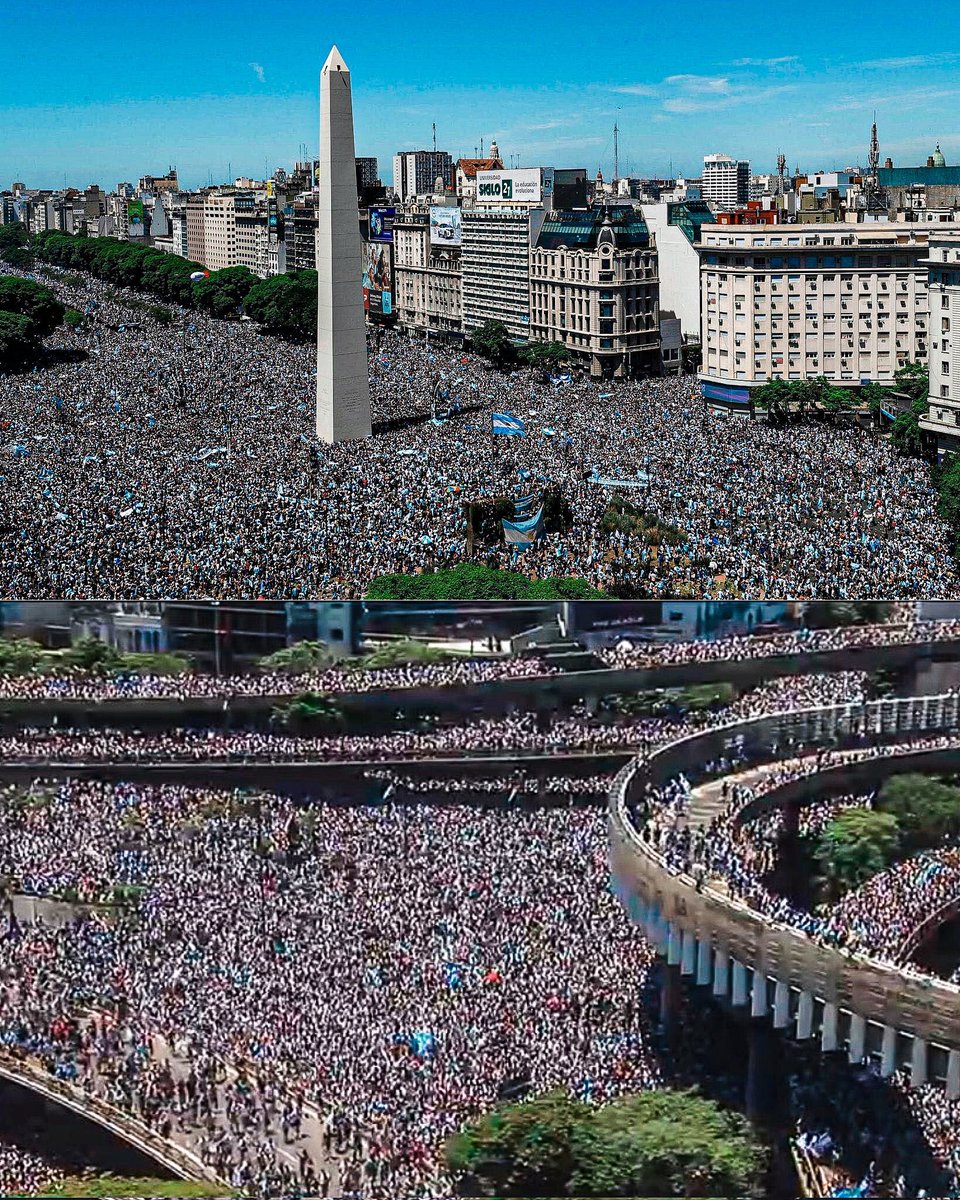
pixel 848 1000
pixel 176 1159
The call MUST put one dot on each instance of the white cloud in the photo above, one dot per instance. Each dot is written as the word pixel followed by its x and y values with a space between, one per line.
pixel 908 60
pixel 765 62
pixel 712 84
pixel 636 89
pixel 258 71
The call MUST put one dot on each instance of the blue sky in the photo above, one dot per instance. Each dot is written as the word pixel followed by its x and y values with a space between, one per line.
pixel 107 91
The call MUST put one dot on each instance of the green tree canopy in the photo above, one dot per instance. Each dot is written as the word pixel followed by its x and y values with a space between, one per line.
pixel 400 653
pixel 19 343
pixel 913 379
pixel 91 654
pixel 906 436
pixel 927 811
pixel 310 713
pixel 299 659
pixel 19 656
pixel 223 294
pixel 544 354
pixel 285 304
pixel 855 846
pixel 471 581
pixel 655 1143
pixel 492 340
pixel 33 301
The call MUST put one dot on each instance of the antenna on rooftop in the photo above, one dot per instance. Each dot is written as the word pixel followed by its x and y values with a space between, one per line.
pixel 434 137
pixel 616 155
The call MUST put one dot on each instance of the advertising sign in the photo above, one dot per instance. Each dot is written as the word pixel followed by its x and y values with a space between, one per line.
pixel 522 186
pixel 269 187
pixel 547 182
pixel 377 280
pixel 135 218
pixel 445 226
pixel 381 224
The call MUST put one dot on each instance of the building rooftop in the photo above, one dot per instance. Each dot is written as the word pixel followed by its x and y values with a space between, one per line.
pixel 932 176
pixel 580 228
pixel 470 166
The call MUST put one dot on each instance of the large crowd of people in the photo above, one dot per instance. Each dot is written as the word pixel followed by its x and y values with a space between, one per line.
pixel 180 460
pixel 403 990
pixel 579 731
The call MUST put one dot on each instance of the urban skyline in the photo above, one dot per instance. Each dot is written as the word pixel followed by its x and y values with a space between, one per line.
pixel 135 104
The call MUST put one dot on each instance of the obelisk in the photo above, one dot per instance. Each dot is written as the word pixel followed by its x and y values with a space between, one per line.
pixel 343 387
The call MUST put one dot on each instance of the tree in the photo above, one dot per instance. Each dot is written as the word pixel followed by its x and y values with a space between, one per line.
pixel 913 380
pixel 775 399
pixel 947 479
pixel 72 318
pixel 875 396
pixel 285 304
pixel 906 436
pixel 310 713
pixel 855 846
pixel 656 1143
pixel 691 356
pixel 223 293
pixel 544 354
pixel 19 656
pixel 302 658
pixel 492 340
pixel 470 581
pixel 402 652
pixel 19 344
pixel 33 301
pixel 927 811
pixel 90 654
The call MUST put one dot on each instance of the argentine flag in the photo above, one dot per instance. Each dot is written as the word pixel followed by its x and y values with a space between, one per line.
pixel 508 425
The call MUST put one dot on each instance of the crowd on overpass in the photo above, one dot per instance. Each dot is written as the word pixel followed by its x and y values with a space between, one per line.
pixel 83 685
pixel 876 919
pixel 638 655
pixel 181 459
pixel 525 732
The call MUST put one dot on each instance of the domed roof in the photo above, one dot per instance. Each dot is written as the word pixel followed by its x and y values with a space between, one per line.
pixel 938 159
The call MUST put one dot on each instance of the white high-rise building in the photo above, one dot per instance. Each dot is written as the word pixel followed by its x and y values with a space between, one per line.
pixel 343 386
pixel 845 301
pixel 726 181
pixel 943 281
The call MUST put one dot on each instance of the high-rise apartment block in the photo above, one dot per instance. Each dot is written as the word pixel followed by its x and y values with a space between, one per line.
pixel 415 172
pixel 849 302
pixel 367 176
pixel 942 419
pixel 726 181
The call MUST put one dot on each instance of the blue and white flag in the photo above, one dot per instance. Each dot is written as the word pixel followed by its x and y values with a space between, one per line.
pixel 508 425
pixel 524 532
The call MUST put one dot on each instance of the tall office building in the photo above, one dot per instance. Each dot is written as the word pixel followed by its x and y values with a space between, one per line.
pixel 367 173
pixel 415 172
pixel 495 266
pixel 726 181
pixel 942 419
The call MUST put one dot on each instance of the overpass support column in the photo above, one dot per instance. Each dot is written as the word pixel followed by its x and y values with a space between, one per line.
pixel 781 1005
pixel 953 1075
pixel 704 973
pixel 739 995
pixel 805 1016
pixel 918 1063
pixel 673 945
pixel 758 995
pixel 688 951
pixel 669 997
pixel 888 1052
pixel 791 818
pixel 858 1038
pixel 828 1031
pixel 721 972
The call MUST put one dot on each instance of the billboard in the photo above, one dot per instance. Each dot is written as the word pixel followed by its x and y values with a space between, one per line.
pixel 445 226
pixel 135 218
pixel 381 224
pixel 377 279
pixel 522 186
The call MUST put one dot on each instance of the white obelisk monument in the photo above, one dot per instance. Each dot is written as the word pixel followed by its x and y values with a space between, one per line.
pixel 343 387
